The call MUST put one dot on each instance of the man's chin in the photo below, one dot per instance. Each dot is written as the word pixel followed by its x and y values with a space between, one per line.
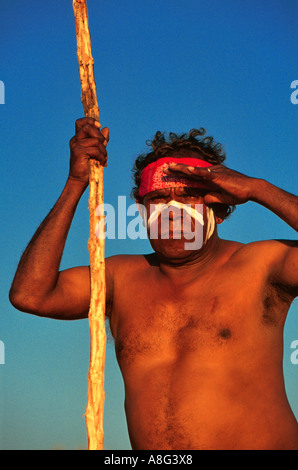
pixel 174 247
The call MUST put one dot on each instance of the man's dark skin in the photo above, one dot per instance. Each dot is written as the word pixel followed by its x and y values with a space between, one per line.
pixel 198 334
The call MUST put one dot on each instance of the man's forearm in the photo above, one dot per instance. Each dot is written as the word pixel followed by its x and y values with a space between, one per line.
pixel 282 203
pixel 38 269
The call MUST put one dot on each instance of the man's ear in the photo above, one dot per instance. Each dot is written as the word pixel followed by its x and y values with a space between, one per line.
pixel 218 220
pixel 220 211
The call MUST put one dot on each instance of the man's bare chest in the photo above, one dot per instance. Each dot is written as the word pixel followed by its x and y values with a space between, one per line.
pixel 201 317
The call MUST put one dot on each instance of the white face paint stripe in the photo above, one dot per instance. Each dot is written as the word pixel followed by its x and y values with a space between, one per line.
pixel 210 223
pixel 191 211
pixel 161 207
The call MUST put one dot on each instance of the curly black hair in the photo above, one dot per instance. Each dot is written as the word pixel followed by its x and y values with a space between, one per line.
pixel 206 148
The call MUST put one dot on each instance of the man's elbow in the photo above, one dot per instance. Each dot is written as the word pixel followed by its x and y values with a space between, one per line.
pixel 24 302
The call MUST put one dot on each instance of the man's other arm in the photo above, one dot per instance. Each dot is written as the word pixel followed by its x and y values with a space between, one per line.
pixel 285 252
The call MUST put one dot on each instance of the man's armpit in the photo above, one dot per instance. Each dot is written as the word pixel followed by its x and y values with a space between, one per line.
pixel 285 272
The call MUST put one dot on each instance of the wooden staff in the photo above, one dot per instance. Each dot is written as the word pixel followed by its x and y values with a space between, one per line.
pixel 96 394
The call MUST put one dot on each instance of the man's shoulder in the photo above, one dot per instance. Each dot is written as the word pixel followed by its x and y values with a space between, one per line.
pixel 262 250
pixel 272 245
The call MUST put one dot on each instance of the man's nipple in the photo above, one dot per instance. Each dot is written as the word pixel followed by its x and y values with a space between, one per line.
pixel 225 333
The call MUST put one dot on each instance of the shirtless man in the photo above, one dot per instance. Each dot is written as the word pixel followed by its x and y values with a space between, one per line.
pixel 198 332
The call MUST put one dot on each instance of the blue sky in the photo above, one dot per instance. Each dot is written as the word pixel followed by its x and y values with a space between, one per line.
pixel 159 65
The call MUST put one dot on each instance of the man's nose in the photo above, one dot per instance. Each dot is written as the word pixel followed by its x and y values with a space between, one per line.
pixel 175 210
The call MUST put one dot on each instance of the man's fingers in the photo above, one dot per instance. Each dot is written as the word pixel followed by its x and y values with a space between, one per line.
pixel 96 154
pixel 179 169
pixel 91 142
pixel 86 120
pixel 201 172
pixel 106 133
pixel 88 130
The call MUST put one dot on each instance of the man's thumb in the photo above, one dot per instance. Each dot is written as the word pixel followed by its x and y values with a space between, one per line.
pixel 106 133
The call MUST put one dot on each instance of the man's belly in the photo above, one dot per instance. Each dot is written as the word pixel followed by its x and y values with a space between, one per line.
pixel 205 373
pixel 182 407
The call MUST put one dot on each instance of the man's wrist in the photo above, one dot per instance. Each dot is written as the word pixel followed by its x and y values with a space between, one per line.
pixel 258 189
pixel 76 184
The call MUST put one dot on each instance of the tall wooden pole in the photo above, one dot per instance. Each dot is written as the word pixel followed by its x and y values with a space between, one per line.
pixel 95 404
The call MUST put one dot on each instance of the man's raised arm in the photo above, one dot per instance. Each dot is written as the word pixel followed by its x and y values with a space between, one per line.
pixel 230 187
pixel 38 286
pixel 233 188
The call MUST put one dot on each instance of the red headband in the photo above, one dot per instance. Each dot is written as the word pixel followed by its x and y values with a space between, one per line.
pixel 153 177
